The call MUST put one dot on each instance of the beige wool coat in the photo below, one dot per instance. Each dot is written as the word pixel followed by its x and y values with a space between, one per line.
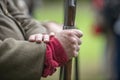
pixel 19 58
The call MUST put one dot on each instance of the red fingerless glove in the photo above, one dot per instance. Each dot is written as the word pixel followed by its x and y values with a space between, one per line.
pixel 55 57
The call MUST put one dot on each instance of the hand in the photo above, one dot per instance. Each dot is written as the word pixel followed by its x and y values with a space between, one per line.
pixel 40 37
pixel 70 40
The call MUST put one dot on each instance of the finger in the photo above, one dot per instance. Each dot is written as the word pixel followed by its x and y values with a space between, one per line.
pixel 78 49
pixel 78 33
pixel 75 54
pixel 79 41
pixel 32 38
pixel 38 38
pixel 46 38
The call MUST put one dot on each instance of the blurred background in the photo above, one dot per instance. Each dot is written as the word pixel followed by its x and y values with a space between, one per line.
pixel 91 57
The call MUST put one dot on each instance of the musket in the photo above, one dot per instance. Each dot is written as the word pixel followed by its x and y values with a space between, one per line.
pixel 69 23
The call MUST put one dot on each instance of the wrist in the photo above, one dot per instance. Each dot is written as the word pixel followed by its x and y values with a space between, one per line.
pixel 60 54
pixel 55 57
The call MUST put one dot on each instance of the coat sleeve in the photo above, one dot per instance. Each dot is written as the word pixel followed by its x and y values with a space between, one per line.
pixel 21 60
pixel 30 25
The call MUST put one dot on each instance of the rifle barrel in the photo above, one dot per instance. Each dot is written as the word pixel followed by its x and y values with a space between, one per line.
pixel 69 21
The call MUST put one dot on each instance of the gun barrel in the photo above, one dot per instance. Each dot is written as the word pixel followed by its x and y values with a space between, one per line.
pixel 69 21
pixel 69 13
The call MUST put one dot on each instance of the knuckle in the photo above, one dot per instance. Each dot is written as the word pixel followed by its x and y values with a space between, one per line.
pixel 70 34
pixel 74 47
pixel 32 37
pixel 46 37
pixel 73 40
pixel 79 33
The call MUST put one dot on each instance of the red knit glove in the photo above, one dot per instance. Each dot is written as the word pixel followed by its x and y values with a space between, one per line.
pixel 55 57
